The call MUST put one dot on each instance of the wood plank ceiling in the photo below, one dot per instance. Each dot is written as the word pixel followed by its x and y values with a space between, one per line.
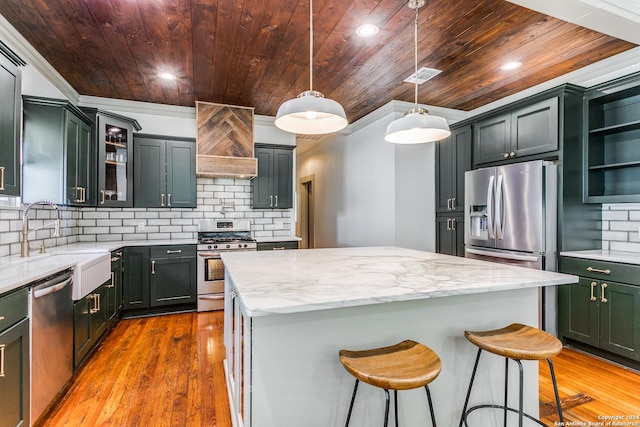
pixel 256 53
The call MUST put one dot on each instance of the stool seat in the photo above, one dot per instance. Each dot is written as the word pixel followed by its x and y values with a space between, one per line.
pixel 517 341
pixel 403 366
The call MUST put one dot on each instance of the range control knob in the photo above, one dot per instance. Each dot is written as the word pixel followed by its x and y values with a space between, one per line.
pixel 240 246
pixel 245 245
pixel 214 246
pixel 228 246
pixel 208 246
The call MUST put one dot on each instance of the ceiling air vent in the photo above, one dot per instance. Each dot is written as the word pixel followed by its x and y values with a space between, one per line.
pixel 422 75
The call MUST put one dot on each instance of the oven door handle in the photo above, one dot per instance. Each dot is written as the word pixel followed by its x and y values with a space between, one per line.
pixel 210 255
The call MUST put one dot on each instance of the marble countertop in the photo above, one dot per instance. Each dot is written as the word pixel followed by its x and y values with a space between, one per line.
pixel 277 282
pixel 18 272
pixel 605 255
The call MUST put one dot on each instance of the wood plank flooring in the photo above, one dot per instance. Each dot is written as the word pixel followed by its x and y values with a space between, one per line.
pixel 153 371
pixel 590 388
pixel 167 371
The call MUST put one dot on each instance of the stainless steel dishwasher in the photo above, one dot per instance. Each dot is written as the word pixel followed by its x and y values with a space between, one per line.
pixel 51 339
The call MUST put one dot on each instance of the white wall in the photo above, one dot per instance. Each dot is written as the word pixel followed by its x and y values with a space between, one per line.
pixel 370 192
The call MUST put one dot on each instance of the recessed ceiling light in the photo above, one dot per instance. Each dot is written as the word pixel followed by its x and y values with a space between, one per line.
pixel 511 65
pixel 166 76
pixel 367 30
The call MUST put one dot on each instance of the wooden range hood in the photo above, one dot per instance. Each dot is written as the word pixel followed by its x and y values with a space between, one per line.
pixel 224 141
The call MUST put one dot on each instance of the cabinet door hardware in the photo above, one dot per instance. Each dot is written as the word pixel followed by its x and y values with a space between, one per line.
pixel 115 258
pixel 281 248
pixel 276 200
pixel 153 266
pixel 453 204
pixel 453 224
pixel 595 270
pixel 2 346
pixel 270 201
pixel 1 177
pixel 169 199
pixel 602 297
pixel 179 251
pixel 162 199
pixel 1 318
pixel 512 154
pixel 119 254
pixel 84 195
pixel 78 194
pixel 593 287
pixel 505 155
pixel 448 224
pixel 113 280
pixel 96 303
pixel 102 197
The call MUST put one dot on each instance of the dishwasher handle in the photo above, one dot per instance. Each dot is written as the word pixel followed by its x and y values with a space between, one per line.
pixel 53 286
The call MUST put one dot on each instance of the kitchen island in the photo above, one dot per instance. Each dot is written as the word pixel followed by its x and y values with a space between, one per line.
pixel 288 313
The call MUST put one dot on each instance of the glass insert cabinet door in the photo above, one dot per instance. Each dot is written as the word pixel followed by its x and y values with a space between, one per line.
pixel 115 139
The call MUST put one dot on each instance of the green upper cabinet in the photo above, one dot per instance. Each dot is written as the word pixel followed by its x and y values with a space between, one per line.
pixel 10 113
pixel 164 172
pixel 113 136
pixel 57 149
pixel 612 143
pixel 453 160
pixel 525 131
pixel 273 187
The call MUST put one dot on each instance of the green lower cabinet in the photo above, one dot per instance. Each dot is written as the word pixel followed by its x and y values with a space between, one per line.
pixel 90 322
pixel 601 314
pixel 14 384
pixel 159 276
pixel 277 246
pixel 450 235
pixel 173 281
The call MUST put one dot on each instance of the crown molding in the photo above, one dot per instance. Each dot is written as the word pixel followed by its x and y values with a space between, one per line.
pixel 22 47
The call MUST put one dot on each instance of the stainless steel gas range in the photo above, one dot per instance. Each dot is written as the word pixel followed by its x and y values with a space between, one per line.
pixel 216 236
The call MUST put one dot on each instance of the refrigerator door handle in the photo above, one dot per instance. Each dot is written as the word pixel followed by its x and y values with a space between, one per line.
pixel 499 208
pixel 490 207
pixel 502 255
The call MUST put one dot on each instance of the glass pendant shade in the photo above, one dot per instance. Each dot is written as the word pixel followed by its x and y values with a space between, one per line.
pixel 311 114
pixel 416 127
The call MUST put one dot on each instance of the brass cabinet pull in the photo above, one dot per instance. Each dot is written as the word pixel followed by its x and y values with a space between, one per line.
pixel 505 155
pixel 115 258
pixel 179 251
pixel 602 298
pixel 512 154
pixel 113 280
pixel 83 191
pixel 2 346
pixel 169 199
pixel 281 248
pixel 1 318
pixel 153 266
pixel 162 199
pixel 593 287
pixel 595 270
pixel 453 204
pixel 453 224
pixel 102 197
pixel 276 200
pixel 1 177
pixel 448 224
pixel 96 304
pixel 78 194
pixel 119 253
pixel 270 201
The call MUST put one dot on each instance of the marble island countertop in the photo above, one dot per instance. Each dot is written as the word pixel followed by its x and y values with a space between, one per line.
pixel 307 280
pixel 605 255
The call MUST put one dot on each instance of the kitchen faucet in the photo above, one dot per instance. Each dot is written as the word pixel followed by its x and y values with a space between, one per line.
pixel 24 244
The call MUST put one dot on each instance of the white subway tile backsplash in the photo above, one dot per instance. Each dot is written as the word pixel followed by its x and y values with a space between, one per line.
pixel 622 227
pixel 216 199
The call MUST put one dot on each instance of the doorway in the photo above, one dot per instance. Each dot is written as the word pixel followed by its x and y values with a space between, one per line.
pixel 307 225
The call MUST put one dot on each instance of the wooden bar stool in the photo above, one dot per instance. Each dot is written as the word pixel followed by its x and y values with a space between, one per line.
pixel 516 342
pixel 403 366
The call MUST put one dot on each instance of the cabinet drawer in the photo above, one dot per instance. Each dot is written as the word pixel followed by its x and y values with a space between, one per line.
pixel 595 269
pixel 13 308
pixel 178 251
pixel 269 246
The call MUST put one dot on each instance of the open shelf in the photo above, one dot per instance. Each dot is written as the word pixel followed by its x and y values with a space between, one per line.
pixel 623 127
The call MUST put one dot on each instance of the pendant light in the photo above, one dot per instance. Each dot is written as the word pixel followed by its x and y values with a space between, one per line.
pixel 311 113
pixel 417 125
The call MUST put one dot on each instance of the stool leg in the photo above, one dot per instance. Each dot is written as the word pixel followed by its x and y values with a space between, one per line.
pixel 463 418
pixel 353 399
pixel 395 404
pixel 506 388
pixel 555 390
pixel 433 415
pixel 521 403
pixel 386 408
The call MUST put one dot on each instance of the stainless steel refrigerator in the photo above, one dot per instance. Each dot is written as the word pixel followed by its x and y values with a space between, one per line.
pixel 511 217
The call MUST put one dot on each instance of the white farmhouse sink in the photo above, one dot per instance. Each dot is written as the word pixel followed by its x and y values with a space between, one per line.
pixel 90 272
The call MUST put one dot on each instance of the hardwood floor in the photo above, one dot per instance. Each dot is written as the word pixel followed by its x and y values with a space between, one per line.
pixel 152 371
pixel 167 371
pixel 590 389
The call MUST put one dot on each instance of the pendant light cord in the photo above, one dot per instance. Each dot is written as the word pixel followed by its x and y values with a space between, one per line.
pixel 311 45
pixel 415 57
